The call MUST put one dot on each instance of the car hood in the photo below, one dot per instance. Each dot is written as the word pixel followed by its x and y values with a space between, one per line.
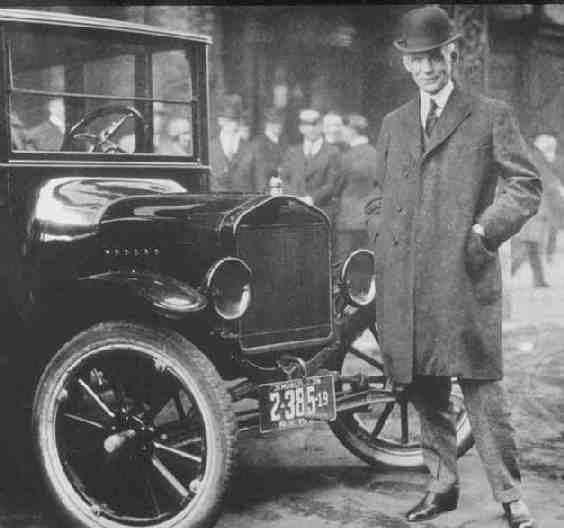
pixel 67 209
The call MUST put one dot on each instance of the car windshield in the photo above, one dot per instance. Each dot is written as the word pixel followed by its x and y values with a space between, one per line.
pixel 100 92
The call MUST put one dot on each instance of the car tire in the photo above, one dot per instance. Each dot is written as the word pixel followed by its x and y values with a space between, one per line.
pixel 105 392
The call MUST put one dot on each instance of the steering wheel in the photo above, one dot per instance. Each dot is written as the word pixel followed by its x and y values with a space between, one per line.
pixel 103 140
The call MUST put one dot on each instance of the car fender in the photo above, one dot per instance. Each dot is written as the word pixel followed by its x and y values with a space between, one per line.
pixel 168 296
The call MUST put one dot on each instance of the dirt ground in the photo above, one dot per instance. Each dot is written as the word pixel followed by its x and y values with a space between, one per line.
pixel 305 478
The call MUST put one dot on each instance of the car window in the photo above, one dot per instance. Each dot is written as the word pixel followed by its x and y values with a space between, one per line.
pixel 93 92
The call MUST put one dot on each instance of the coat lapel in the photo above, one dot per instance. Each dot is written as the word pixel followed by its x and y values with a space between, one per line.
pixel 457 109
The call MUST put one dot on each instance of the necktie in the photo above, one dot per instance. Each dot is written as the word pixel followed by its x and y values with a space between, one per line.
pixel 432 118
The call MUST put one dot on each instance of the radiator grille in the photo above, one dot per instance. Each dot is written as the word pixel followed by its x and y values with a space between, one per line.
pixel 291 283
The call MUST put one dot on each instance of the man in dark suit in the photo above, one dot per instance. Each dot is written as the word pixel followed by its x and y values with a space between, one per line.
pixel 440 157
pixel 229 155
pixel 311 170
pixel 266 152
pixel 358 166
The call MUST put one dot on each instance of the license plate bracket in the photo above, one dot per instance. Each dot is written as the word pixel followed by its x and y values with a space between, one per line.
pixel 296 402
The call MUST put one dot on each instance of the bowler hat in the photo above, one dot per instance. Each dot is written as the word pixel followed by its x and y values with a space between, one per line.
pixel 424 29
pixel 231 107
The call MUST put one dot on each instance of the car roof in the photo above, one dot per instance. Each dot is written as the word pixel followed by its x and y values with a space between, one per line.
pixel 65 19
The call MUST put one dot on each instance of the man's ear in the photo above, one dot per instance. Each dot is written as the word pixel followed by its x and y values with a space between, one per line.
pixel 406 63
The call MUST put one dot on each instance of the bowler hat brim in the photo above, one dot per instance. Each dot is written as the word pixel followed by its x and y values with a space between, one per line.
pixel 402 46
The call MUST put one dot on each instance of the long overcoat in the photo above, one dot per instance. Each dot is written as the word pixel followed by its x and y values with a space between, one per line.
pixel 358 166
pixel 320 177
pixel 230 174
pixel 438 287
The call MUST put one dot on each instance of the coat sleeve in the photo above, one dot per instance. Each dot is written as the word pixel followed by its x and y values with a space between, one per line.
pixel 374 202
pixel 333 178
pixel 520 195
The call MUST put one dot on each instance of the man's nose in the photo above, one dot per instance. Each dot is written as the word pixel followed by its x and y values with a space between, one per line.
pixel 426 64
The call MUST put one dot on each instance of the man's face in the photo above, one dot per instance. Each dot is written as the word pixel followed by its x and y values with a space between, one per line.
pixel 311 132
pixel 430 70
pixel 332 128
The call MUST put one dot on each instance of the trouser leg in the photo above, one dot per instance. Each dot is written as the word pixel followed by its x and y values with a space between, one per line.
pixel 494 435
pixel 518 255
pixel 431 397
pixel 533 251
pixel 551 243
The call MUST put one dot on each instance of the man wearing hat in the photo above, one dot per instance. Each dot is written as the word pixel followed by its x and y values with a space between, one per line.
pixel 311 169
pixel 358 165
pixel 440 158
pixel 229 156
pixel 266 151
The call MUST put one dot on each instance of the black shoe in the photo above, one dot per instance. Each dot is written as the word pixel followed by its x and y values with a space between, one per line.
pixel 518 515
pixel 433 504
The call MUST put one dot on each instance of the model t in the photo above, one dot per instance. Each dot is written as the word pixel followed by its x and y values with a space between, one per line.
pixel 154 307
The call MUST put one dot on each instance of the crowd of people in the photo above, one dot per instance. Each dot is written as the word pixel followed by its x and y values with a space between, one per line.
pixel 333 167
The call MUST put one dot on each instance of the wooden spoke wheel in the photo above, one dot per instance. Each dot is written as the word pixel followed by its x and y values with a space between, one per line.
pixel 133 427
pixel 388 432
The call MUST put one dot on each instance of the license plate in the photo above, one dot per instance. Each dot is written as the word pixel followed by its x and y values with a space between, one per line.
pixel 295 403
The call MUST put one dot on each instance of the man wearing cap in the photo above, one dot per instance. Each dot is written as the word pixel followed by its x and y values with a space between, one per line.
pixel 229 156
pixel 440 158
pixel 311 170
pixel 358 165
pixel 266 151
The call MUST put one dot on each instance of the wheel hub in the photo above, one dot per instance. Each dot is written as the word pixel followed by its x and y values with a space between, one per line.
pixel 129 427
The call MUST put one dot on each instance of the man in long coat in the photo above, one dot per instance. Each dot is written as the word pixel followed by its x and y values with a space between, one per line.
pixel 441 156
pixel 266 152
pixel 358 167
pixel 229 155
pixel 311 169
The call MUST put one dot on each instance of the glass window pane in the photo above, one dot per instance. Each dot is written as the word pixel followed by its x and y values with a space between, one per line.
pixel 97 76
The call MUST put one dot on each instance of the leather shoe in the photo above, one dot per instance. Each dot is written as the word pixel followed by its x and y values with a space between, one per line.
pixel 518 515
pixel 433 504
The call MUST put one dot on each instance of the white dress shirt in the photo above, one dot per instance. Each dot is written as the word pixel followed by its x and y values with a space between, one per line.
pixel 311 148
pixel 273 137
pixel 229 143
pixel 440 98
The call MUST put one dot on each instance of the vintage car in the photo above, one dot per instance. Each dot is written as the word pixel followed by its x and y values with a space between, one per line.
pixel 153 310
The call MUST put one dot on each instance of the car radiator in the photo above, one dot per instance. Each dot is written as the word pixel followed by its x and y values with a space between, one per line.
pixel 291 286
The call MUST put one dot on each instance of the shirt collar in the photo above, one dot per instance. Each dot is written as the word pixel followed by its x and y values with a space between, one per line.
pixel 268 133
pixel 440 99
pixel 229 142
pixel 314 145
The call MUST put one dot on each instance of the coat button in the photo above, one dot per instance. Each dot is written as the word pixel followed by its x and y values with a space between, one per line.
pixel 399 208
pixel 395 242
